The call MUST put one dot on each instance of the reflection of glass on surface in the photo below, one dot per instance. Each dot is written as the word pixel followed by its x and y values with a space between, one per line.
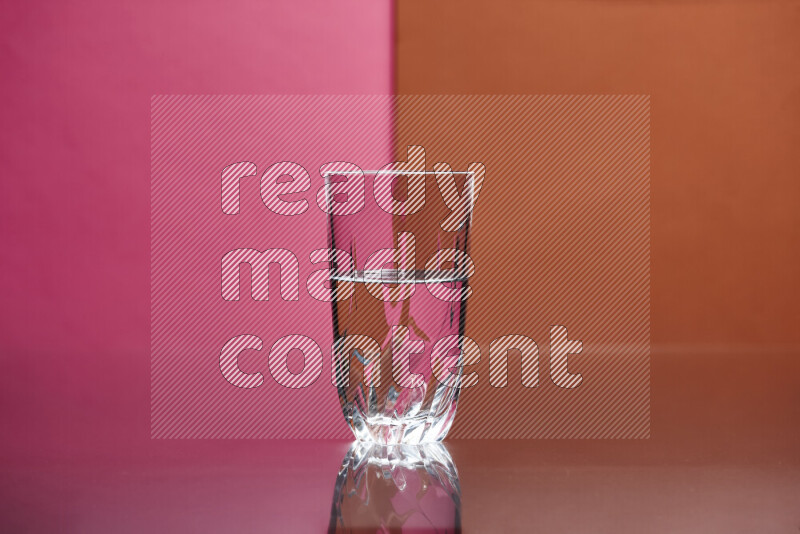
pixel 396 488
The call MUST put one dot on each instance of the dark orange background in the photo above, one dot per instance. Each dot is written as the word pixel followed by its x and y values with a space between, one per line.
pixel 725 179
pixel 725 125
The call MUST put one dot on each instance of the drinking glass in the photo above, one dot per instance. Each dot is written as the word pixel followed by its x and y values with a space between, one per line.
pixel 400 272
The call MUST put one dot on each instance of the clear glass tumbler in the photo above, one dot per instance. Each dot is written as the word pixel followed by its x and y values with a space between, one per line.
pixel 400 269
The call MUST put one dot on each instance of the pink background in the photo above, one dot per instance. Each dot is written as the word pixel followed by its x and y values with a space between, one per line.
pixel 74 330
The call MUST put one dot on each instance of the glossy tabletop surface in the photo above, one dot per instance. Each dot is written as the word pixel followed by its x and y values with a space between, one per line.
pixel 725 461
